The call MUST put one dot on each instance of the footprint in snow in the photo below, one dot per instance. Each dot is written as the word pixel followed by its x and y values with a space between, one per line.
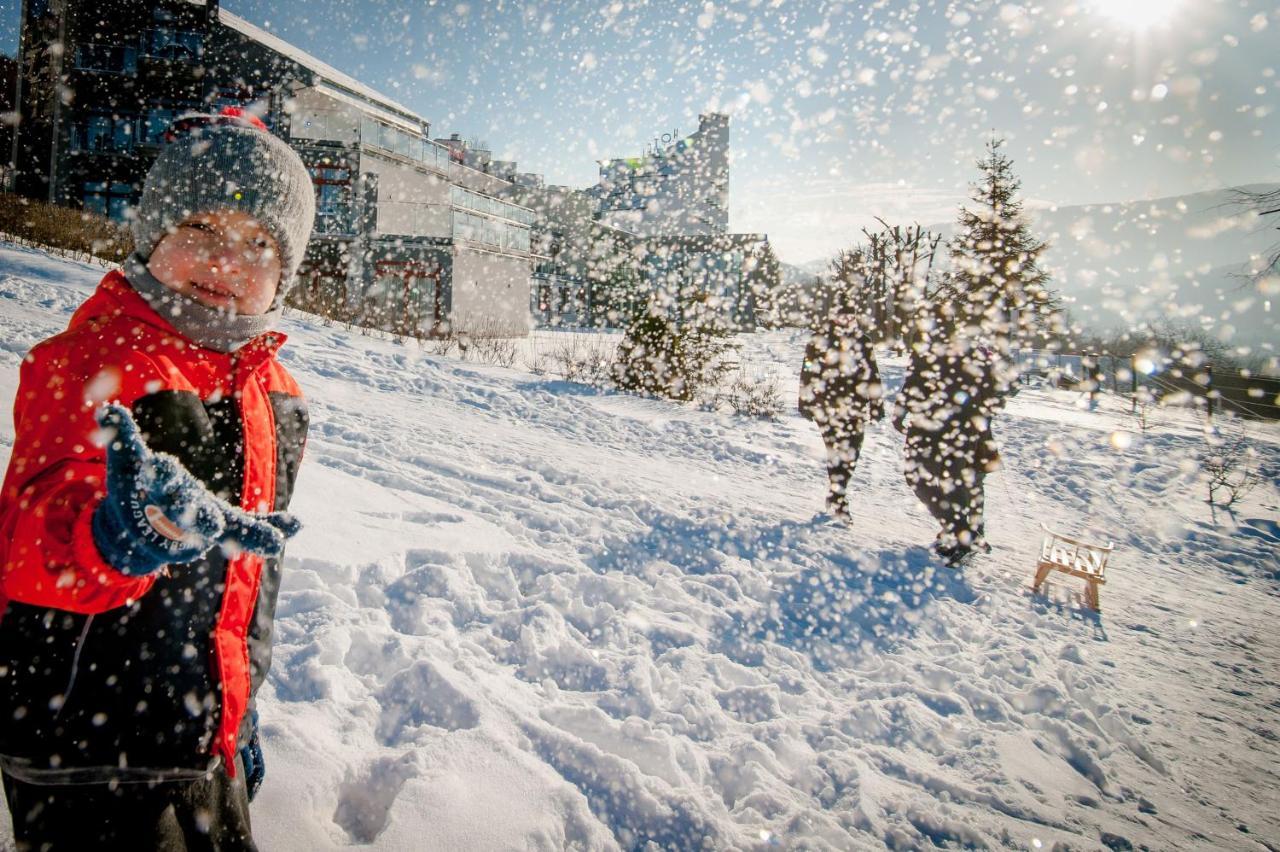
pixel 364 801
pixel 420 695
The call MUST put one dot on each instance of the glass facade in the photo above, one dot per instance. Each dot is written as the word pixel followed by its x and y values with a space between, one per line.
pixel 110 200
pixel 715 272
pixel 490 232
pixel 404 298
pixel 104 134
pixel 476 218
pixel 335 211
pixel 120 134
pixel 558 300
pixel 404 143
pixel 169 43
pixel 116 59
pixel 490 206
pixel 154 125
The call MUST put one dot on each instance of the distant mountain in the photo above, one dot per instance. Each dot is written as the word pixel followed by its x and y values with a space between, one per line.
pixel 803 273
pixel 1185 258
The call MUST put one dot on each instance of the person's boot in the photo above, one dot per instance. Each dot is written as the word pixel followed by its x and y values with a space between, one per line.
pixel 953 552
pixel 956 555
pixel 838 508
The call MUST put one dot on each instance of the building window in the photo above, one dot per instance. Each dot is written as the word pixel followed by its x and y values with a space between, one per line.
pixel 334 210
pixel 111 58
pixel 108 199
pixel 167 43
pixel 405 298
pixel 103 134
pixel 156 123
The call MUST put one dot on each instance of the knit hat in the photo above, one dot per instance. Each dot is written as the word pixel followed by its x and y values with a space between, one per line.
pixel 229 161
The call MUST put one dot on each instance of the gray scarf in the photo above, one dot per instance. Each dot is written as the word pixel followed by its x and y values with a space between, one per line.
pixel 213 328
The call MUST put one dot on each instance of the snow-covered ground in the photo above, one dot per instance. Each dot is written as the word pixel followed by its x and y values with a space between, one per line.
pixel 528 614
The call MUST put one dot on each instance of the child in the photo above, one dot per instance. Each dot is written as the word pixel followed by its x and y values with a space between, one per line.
pixel 840 391
pixel 141 523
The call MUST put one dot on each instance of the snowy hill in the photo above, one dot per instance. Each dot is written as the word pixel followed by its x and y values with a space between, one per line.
pixel 527 614
pixel 803 273
pixel 1183 258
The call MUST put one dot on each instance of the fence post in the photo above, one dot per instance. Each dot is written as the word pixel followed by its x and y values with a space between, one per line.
pixel 1133 381
pixel 1089 366
pixel 1208 393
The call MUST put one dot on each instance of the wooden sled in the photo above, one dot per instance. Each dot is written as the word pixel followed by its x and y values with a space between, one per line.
pixel 1077 558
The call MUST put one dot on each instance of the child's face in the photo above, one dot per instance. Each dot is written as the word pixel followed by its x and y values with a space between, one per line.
pixel 223 259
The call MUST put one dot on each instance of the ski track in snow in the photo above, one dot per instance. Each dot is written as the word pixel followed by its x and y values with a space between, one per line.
pixel 524 613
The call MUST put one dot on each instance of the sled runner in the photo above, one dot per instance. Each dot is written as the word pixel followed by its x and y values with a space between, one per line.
pixel 1077 558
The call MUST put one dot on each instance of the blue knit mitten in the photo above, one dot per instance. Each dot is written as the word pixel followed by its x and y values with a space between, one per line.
pixel 255 767
pixel 156 513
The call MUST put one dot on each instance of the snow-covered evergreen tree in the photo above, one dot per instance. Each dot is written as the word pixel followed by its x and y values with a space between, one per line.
pixel 997 283
pixel 676 359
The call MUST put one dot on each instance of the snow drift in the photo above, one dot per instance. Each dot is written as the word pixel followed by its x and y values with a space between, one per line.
pixel 528 614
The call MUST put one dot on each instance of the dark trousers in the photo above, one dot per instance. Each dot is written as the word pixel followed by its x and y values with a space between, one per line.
pixel 844 445
pixel 958 510
pixel 210 814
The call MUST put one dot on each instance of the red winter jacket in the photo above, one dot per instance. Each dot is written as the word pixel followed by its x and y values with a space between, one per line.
pixel 141 674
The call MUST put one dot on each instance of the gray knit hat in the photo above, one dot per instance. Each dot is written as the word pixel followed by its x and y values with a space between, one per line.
pixel 229 162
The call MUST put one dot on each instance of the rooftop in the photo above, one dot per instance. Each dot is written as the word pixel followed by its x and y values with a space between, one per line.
pixel 323 70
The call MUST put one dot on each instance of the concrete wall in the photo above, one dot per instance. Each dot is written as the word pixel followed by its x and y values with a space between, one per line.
pixel 411 202
pixel 315 116
pixel 490 293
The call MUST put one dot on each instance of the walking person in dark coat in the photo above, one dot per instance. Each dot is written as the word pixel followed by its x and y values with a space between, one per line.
pixel 840 391
pixel 948 400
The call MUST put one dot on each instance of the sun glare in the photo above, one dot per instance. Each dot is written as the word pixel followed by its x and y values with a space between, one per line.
pixel 1138 14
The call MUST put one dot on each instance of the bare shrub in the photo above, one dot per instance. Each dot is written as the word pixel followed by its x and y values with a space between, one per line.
pixel 493 350
pixel 479 325
pixel 539 363
pixel 76 234
pixel 1231 465
pixel 1146 410
pixel 746 395
pixel 442 344
pixel 482 339
pixel 585 361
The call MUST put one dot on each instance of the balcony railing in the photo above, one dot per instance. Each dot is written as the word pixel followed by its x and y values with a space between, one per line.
pixel 170 44
pixel 109 58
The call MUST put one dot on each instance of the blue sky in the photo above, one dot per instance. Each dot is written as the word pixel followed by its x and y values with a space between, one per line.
pixel 840 111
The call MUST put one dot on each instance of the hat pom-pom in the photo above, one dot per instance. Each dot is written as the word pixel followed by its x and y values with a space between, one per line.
pixel 243 114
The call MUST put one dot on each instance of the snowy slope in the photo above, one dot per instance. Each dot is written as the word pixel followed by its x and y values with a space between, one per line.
pixel 527 614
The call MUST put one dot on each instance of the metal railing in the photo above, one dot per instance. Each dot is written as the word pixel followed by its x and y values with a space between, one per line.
pixel 1256 397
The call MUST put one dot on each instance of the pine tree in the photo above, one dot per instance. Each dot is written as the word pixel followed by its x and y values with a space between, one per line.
pixel 997 283
pixel 675 359
pixel 651 358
